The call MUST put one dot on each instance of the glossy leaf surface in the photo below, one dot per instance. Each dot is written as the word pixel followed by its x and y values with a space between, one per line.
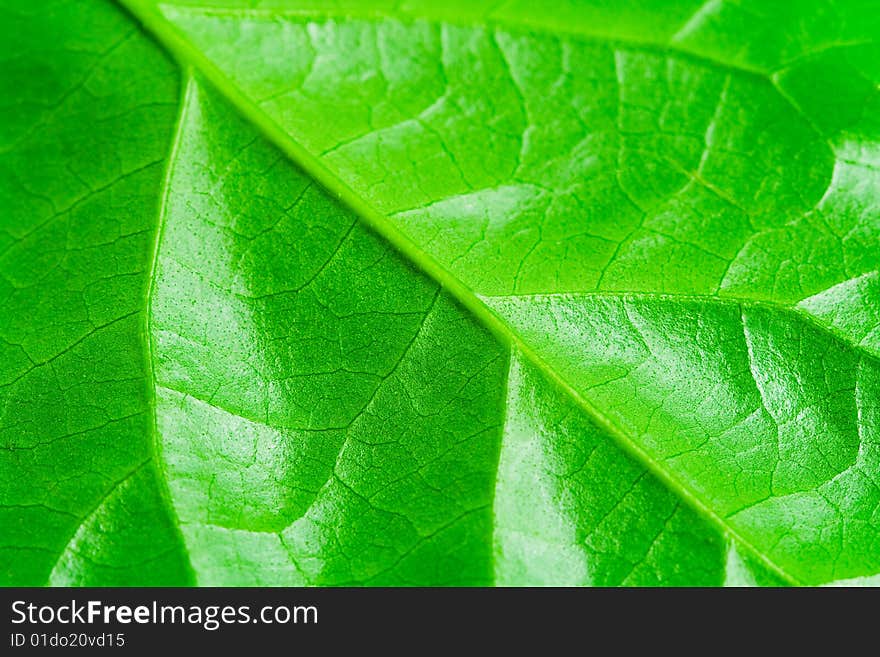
pixel 632 337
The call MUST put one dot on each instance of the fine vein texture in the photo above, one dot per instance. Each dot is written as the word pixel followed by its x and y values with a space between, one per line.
pixel 328 416
pixel 86 121
pixel 348 431
pixel 634 339
pixel 540 166
pixel 570 509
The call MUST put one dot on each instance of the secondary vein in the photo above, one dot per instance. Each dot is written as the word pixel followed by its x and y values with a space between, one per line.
pixel 150 366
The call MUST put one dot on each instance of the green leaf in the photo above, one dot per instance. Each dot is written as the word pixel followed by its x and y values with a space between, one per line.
pixel 463 295
pixel 86 123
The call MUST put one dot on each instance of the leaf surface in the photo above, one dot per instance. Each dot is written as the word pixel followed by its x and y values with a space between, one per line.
pixel 632 337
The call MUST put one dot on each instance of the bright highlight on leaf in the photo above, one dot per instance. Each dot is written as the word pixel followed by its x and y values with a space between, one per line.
pixel 298 293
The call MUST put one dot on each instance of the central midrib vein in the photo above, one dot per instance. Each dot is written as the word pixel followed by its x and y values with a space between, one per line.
pixel 190 57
